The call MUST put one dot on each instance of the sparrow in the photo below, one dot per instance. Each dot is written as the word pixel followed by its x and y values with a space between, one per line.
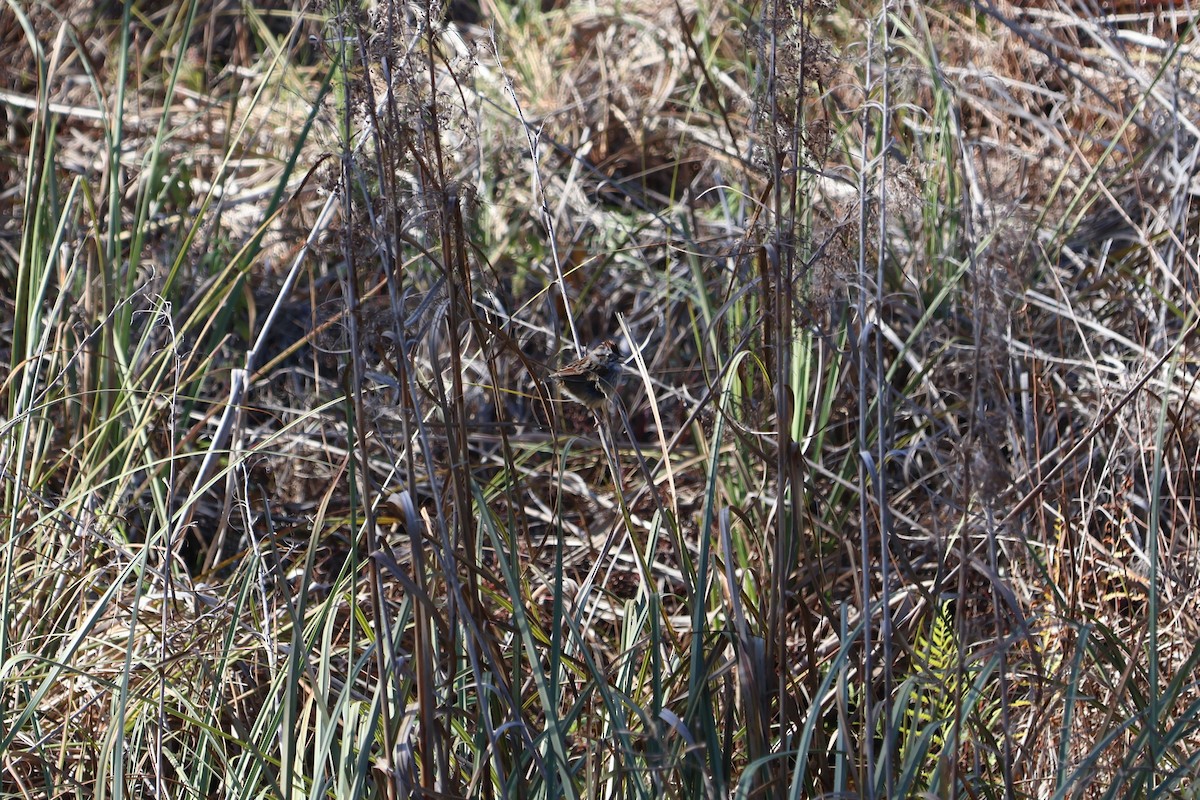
pixel 591 380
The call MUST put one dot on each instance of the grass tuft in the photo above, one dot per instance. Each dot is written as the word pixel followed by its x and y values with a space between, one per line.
pixel 895 495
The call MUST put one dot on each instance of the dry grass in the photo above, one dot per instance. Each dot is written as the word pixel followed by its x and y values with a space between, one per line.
pixel 898 494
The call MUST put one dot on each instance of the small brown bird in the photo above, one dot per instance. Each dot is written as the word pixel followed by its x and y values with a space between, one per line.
pixel 591 379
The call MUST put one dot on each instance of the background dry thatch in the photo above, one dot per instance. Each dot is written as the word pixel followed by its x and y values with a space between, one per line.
pixel 898 494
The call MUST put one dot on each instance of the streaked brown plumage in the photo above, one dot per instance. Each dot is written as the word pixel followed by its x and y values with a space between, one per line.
pixel 591 379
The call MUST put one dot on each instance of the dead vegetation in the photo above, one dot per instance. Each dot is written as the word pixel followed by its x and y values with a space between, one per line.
pixel 897 495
